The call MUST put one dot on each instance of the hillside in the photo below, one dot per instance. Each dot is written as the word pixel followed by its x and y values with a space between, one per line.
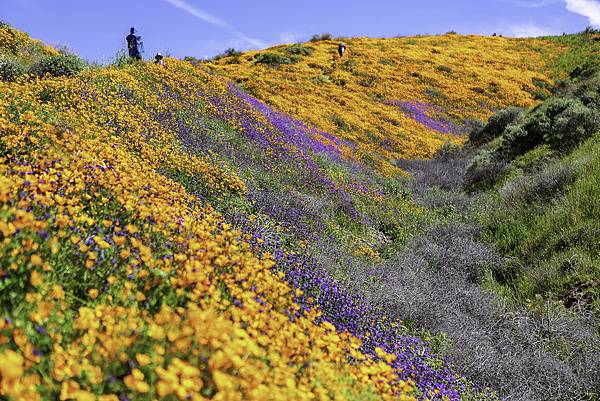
pixel 399 97
pixel 120 279
pixel 168 234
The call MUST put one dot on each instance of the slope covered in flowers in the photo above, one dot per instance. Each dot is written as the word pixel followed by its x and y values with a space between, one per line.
pixel 120 281
pixel 399 97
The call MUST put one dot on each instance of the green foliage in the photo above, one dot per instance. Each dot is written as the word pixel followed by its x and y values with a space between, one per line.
pixel 321 37
pixel 550 219
pixel 231 52
pixel 444 69
pixel 583 49
pixel 339 122
pixel 121 60
pixel 299 49
pixel 562 123
pixel 540 94
pixel 57 66
pixel 321 79
pixel 275 59
pixel 590 31
pixel 574 124
pixel 232 55
pixel 483 171
pixel 10 68
pixel 495 125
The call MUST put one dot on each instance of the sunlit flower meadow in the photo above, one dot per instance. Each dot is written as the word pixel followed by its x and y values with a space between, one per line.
pixel 158 226
pixel 119 283
pixel 356 96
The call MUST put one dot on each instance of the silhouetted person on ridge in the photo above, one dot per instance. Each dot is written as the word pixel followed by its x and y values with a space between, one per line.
pixel 494 34
pixel 134 45
pixel 341 49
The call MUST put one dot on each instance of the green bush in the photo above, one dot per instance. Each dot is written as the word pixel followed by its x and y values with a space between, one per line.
pixel 321 79
pixel 10 69
pixel 299 49
pixel 67 65
pixel 562 123
pixel 540 94
pixel 231 52
pixel 572 126
pixel 275 59
pixel 320 37
pixel 386 61
pixel 495 126
pixel 484 171
pixel 444 69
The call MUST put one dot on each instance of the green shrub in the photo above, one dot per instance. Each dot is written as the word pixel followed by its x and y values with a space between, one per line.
pixel 540 94
pixel 562 123
pixel 572 126
pixel 444 69
pixel 386 61
pixel 590 31
pixel 121 59
pixel 10 69
pixel 542 186
pixel 321 79
pixel 231 52
pixel 299 49
pixel 495 126
pixel 540 83
pixel 339 122
pixel 320 37
pixel 275 59
pixel 61 65
pixel 484 171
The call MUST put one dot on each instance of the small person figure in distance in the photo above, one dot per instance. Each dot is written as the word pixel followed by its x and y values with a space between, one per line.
pixel 341 49
pixel 159 60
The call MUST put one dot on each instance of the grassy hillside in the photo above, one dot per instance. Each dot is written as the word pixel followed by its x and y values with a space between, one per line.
pixel 401 97
pixel 543 167
pixel 21 56
pixel 19 45
pixel 166 235
pixel 119 279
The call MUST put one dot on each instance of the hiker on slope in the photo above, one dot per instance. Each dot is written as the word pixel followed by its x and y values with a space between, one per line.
pixel 159 60
pixel 341 49
pixel 134 45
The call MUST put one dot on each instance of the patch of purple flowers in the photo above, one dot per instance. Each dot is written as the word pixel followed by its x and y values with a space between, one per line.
pixel 431 116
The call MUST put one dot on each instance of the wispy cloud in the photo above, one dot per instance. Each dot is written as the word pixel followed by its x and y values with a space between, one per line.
pixel 533 3
pixel 588 8
pixel 213 20
pixel 528 30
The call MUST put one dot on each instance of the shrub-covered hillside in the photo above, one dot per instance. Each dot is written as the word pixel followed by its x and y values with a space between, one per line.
pixel 20 55
pixel 400 97
pixel 120 280
pixel 543 169
pixel 164 234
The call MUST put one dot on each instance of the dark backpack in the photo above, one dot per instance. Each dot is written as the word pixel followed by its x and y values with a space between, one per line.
pixel 132 42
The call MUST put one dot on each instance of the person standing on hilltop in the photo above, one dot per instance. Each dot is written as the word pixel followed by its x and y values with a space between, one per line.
pixel 341 49
pixel 134 45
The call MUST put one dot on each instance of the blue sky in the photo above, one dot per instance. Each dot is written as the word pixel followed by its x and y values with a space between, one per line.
pixel 201 28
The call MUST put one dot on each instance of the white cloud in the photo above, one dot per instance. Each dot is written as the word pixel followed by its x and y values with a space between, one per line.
pixel 533 3
pixel 587 8
pixel 213 20
pixel 529 30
